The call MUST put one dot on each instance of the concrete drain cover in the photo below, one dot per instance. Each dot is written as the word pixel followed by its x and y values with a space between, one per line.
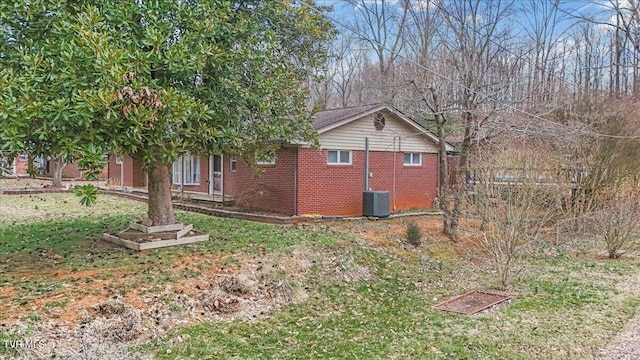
pixel 471 302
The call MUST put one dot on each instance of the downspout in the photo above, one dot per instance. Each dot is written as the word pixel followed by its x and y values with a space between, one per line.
pixel 182 175
pixel 366 164
pixel 122 174
pixel 211 178
pixel 393 187
pixel 439 173
pixel 295 183
pixel 221 176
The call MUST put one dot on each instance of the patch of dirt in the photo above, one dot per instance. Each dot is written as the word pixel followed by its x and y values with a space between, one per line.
pixel 96 313
pixel 390 235
pixel 7 292
pixel 87 320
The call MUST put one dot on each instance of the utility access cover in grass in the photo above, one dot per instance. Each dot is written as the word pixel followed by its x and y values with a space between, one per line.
pixel 471 302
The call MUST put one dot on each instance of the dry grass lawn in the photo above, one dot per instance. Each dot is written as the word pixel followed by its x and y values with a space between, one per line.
pixel 327 290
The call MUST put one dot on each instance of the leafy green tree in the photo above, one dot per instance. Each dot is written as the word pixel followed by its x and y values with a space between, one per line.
pixel 41 114
pixel 157 79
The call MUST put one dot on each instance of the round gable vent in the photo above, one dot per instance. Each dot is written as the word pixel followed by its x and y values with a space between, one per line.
pixel 378 121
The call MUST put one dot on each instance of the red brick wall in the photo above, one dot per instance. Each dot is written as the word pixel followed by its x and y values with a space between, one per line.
pixel 322 189
pixel 272 191
pixel 113 171
pixel 72 171
pixel 137 172
pixel 337 189
pixel 21 167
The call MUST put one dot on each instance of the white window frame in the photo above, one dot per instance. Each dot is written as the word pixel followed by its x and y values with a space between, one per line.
pixel 176 171
pixel 412 159
pixel 233 163
pixel 191 166
pixel 23 157
pixel 119 159
pixel 339 157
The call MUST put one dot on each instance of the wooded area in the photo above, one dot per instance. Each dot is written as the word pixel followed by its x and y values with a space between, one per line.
pixel 529 91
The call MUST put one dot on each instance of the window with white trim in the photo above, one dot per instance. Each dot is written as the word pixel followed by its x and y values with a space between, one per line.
pixel 339 157
pixel 118 159
pixel 190 164
pixel 412 159
pixel 24 157
pixel 233 163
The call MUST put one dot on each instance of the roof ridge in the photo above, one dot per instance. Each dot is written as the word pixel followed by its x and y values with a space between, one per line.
pixel 353 107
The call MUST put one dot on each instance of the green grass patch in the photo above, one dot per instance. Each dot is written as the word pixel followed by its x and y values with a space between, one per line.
pixel 566 303
pixel 566 311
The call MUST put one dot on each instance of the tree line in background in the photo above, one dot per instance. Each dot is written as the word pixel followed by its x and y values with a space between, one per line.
pixel 539 94
pixel 533 55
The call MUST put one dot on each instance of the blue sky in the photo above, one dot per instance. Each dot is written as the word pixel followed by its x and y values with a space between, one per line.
pixel 344 12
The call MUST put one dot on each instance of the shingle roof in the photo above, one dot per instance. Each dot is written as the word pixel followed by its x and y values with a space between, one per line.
pixel 329 117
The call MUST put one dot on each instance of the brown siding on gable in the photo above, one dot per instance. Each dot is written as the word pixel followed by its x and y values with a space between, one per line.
pixel 273 191
pixel 337 189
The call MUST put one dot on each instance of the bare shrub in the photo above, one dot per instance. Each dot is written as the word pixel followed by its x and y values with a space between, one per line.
pixel 281 291
pixel 618 226
pixel 617 219
pixel 512 202
pixel 512 219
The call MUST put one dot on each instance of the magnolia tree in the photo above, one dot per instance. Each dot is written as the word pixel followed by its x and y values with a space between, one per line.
pixel 157 79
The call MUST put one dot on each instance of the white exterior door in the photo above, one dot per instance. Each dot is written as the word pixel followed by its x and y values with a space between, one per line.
pixel 215 175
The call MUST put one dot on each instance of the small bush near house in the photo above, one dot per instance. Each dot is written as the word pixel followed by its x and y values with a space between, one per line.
pixel 413 234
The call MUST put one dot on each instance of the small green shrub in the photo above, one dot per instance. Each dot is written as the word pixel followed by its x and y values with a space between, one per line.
pixel 413 233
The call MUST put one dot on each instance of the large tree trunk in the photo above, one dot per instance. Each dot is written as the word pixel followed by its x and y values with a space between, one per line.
pixel 160 206
pixel 450 221
pixel 459 189
pixel 57 165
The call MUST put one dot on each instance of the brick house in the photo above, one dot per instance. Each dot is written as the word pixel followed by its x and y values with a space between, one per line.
pixel 20 165
pixel 17 167
pixel 300 180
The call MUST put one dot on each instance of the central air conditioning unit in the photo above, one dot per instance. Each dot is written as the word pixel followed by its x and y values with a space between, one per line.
pixel 375 204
